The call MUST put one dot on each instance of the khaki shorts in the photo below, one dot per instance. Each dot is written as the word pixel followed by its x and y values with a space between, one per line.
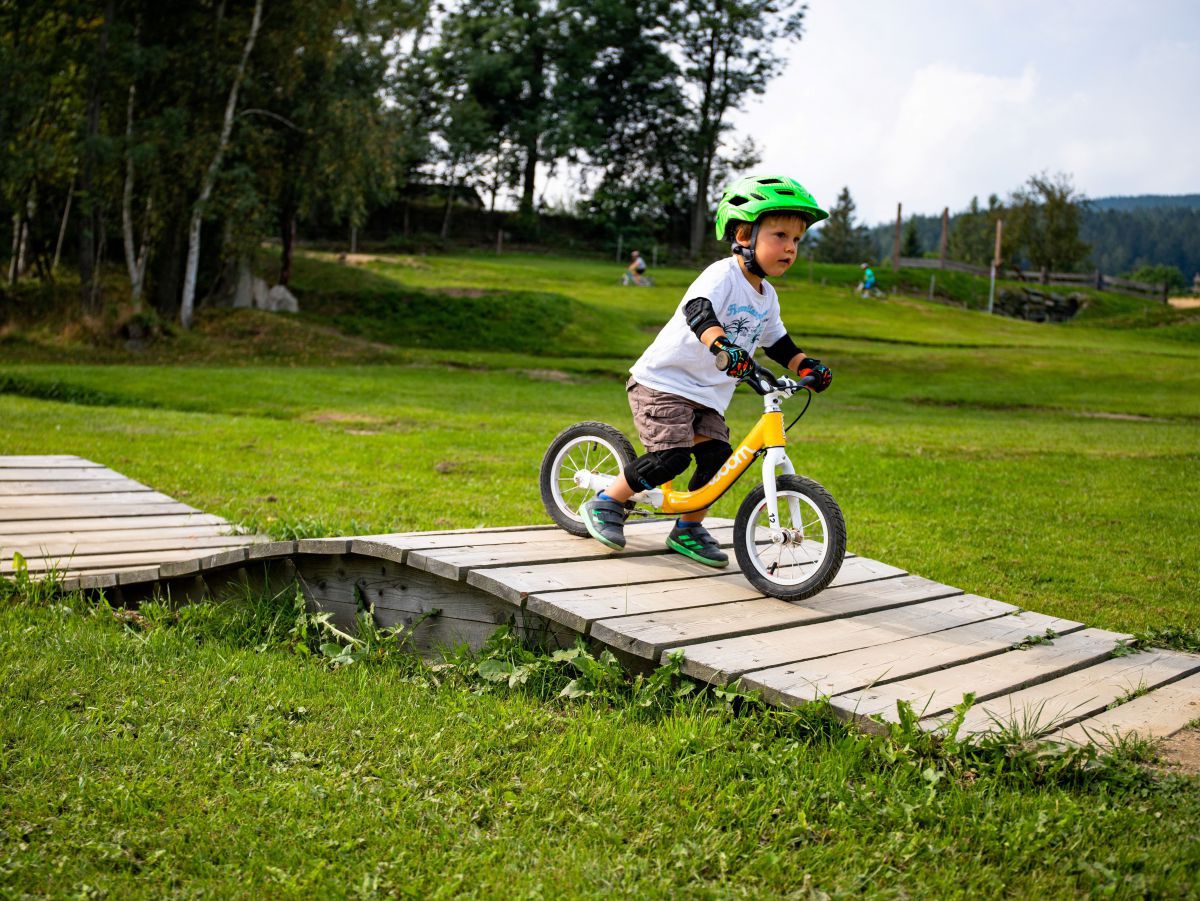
pixel 667 420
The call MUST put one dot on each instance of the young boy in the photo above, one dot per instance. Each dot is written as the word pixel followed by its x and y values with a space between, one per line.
pixel 677 394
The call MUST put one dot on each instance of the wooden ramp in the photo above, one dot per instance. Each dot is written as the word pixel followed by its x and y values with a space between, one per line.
pixel 877 636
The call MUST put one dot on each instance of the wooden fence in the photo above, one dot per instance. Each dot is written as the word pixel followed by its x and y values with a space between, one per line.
pixel 1097 280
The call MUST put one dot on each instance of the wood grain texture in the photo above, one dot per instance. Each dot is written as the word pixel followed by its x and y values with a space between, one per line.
pixel 42 461
pixel 650 634
pixel 113 524
pixel 989 677
pixel 1159 714
pixel 807 680
pixel 25 489
pixel 57 473
pixel 720 661
pixel 455 563
pixel 1062 702
pixel 74 511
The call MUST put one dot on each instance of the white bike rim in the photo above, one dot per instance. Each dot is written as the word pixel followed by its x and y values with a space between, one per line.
pixel 583 453
pixel 794 564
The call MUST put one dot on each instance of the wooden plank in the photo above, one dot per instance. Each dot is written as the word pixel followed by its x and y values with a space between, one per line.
pixel 723 660
pixel 106 524
pixel 580 608
pixel 79 502
pixel 516 535
pixel 1159 714
pixel 802 681
pixel 156 507
pixel 57 474
pixel 102 560
pixel 69 550
pixel 650 634
pixel 455 563
pixel 1069 699
pixel 25 489
pixel 36 541
pixel 514 583
pixel 938 691
pixel 22 461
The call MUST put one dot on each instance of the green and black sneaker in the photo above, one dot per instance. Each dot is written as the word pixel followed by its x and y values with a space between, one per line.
pixel 605 521
pixel 693 540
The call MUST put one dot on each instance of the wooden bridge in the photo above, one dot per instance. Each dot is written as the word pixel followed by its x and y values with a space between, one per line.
pixel 876 636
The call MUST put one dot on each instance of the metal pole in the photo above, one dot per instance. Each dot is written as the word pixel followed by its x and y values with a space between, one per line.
pixel 992 288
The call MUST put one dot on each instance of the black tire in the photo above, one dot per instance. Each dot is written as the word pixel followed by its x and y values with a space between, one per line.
pixel 559 465
pixel 798 584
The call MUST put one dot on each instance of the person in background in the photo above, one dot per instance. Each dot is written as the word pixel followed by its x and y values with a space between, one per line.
pixel 867 286
pixel 635 272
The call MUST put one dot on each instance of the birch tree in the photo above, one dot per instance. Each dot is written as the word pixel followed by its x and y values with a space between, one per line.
pixel 188 299
pixel 730 50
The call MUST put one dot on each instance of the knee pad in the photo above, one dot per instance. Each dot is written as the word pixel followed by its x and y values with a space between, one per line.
pixel 657 468
pixel 710 457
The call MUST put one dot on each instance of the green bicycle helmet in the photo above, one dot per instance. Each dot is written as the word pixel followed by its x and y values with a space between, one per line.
pixel 753 196
pixel 748 198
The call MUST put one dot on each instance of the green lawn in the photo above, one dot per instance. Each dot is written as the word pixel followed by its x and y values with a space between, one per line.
pixel 1050 466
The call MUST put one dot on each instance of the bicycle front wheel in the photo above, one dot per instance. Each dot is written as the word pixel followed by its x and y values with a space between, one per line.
pixel 801 555
pixel 579 461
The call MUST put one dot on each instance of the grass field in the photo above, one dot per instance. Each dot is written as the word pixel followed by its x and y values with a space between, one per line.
pixel 1050 466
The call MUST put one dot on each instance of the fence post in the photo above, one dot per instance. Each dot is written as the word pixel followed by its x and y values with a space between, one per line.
pixel 995 265
pixel 944 238
pixel 1099 280
pixel 896 243
pixel 932 281
pixel 1166 293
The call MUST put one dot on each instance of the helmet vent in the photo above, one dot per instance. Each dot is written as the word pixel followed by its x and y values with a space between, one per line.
pixel 786 191
pixel 758 197
pixel 738 201
pixel 770 181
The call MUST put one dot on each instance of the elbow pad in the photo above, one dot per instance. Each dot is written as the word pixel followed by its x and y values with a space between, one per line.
pixel 783 350
pixel 698 312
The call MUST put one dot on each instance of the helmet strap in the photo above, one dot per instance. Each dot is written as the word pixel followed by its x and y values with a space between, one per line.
pixel 746 252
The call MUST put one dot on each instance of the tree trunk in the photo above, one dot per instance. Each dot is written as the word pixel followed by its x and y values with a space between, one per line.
pixel 287 236
pixel 188 301
pixel 706 150
pixel 91 212
pixel 537 89
pixel 62 228
pixel 135 270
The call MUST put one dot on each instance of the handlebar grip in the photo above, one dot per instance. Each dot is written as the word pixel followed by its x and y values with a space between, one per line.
pixel 723 360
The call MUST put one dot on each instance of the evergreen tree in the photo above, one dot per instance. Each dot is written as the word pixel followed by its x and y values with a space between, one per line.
pixel 840 239
pixel 911 244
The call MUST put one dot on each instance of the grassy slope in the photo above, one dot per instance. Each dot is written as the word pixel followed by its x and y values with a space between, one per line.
pixel 982 452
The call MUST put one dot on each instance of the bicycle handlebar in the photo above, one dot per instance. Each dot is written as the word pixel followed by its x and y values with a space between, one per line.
pixel 763 380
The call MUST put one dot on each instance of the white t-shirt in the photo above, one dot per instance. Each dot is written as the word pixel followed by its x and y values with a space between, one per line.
pixel 677 363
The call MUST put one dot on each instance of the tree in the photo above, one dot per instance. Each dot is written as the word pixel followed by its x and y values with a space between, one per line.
pixel 840 239
pixel 911 246
pixel 1047 212
pixel 729 51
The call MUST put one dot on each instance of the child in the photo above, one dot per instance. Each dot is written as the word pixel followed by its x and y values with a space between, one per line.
pixel 677 394
pixel 635 271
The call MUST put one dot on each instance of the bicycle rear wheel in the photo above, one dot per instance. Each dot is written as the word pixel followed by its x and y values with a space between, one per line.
pixel 576 464
pixel 803 554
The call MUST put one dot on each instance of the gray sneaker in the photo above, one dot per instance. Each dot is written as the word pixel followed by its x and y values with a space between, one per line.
pixel 693 540
pixel 605 521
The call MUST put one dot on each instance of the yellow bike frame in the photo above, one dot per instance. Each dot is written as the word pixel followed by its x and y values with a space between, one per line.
pixel 767 433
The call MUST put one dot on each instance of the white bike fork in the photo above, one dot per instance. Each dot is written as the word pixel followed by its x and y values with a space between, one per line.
pixel 776 458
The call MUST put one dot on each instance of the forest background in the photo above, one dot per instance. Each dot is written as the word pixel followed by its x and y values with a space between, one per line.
pixel 175 139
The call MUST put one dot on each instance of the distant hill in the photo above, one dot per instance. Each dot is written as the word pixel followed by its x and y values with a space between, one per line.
pixel 1125 233
pixel 1146 202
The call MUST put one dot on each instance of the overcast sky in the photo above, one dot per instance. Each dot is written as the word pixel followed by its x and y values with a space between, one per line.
pixel 929 103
